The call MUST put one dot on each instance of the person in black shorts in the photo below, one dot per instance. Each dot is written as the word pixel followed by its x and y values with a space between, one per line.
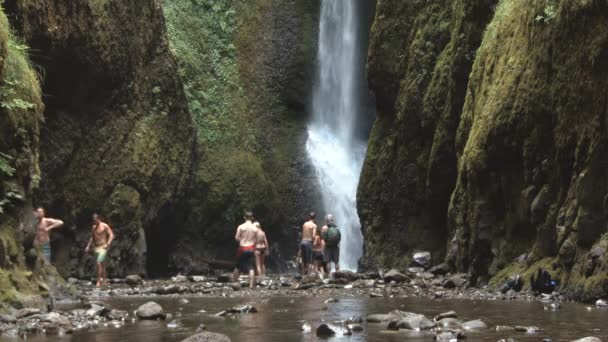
pixel 309 230
pixel 331 237
pixel 245 255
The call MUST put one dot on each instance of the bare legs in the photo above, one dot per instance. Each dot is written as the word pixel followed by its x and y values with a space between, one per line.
pixel 102 277
pixel 260 263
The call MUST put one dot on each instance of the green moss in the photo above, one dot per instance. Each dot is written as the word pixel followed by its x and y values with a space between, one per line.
pixel 525 271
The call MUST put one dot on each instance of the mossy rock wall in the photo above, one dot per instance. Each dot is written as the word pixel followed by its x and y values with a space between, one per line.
pixel 118 136
pixel 490 139
pixel 247 85
pixel 420 56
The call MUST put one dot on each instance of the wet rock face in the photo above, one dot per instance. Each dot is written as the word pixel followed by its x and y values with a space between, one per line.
pixel 117 136
pixel 474 155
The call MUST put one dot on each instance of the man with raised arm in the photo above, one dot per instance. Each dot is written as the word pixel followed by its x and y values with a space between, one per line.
pixel 245 256
pixel 102 236
pixel 43 228
pixel 309 230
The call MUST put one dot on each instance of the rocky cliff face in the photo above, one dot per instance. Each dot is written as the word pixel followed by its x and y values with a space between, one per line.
pixel 118 137
pixel 170 119
pixel 493 143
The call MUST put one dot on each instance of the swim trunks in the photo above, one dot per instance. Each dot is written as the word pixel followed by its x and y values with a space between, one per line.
pixel 306 248
pixel 101 253
pixel 317 255
pixel 331 254
pixel 46 252
pixel 245 259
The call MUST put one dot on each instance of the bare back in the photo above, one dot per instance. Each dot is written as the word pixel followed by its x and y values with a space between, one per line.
pixel 308 231
pixel 246 234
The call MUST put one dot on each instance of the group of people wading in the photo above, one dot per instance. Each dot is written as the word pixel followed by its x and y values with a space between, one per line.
pixel 318 248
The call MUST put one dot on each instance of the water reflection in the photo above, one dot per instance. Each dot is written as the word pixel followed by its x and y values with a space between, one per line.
pixel 281 319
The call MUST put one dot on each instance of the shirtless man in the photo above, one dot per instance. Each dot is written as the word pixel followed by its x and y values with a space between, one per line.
pixel 309 230
pixel 245 256
pixel 102 236
pixel 43 227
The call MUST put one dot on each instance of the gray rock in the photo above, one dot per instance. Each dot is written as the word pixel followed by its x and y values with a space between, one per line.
pixel 510 339
pixel 96 310
pixel 197 279
pixel 8 319
pixel 504 328
pixel 449 335
pixel 474 325
pixel 449 314
pixel 117 315
pixel 411 322
pixel 355 327
pixel 331 300
pixel 183 301
pixel 376 295
pixel 150 310
pixel 588 339
pixel 449 322
pixel 133 280
pixel 415 270
pixel 179 279
pixel 422 259
pixel 26 312
pixel 309 279
pixel 394 275
pixel 345 274
pixel 455 281
pixel 207 337
pixel 601 303
pixel 225 278
pixel 201 327
pixel 440 269
pixel 328 329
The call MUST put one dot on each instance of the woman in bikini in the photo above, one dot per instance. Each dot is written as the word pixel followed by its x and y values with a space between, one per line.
pixel 261 250
pixel 318 245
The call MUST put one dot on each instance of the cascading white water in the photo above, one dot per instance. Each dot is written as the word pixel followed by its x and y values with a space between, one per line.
pixel 336 154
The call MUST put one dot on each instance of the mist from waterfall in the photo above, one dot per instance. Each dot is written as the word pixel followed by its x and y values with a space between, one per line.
pixel 336 151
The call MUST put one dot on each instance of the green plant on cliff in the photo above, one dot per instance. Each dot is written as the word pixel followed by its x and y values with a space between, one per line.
pixel 549 14
pixel 201 35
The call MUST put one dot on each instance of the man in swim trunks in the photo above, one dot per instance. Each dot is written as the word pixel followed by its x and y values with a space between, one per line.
pixel 245 255
pixel 43 228
pixel 309 230
pixel 102 236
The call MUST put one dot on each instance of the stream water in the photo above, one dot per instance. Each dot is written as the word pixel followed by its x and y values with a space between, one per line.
pixel 281 318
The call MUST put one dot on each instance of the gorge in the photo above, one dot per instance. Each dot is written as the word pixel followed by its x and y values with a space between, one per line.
pixel 478 128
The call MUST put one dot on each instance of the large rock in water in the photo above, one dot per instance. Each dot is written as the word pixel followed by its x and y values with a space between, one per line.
pixel 150 310
pixel 411 321
pixel 474 325
pixel 395 275
pixel 588 339
pixel 207 337
pixel 328 329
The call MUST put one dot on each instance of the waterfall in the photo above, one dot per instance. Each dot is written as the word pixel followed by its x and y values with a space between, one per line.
pixel 333 146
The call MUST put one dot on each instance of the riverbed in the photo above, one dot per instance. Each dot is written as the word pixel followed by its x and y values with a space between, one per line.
pixel 280 318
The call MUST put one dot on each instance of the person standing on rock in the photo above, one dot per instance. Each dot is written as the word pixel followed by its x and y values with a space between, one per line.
pixel 245 256
pixel 332 238
pixel 309 230
pixel 317 254
pixel 43 228
pixel 261 250
pixel 102 236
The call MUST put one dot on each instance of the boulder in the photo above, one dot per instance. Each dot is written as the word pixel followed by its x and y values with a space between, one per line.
pixel 411 322
pixel 449 322
pixel 440 269
pixel 96 310
pixel 455 281
pixel 225 278
pixel 197 279
pixel 449 314
pixel 309 279
pixel 238 310
pixel 117 315
pixel 328 329
pixel 421 259
pixel 179 279
pixel 8 319
pixel 133 280
pixel 449 335
pixel 379 318
pixel 394 275
pixel 345 274
pixel 474 325
pixel 415 270
pixel 207 337
pixel 601 303
pixel 150 310
pixel 25 312
pixel 588 339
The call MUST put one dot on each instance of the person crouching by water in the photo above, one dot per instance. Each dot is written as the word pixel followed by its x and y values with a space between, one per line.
pixel 332 237
pixel 261 250
pixel 309 230
pixel 44 226
pixel 317 254
pixel 102 236
pixel 245 255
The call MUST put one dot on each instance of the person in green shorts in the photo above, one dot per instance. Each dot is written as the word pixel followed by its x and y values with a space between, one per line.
pixel 102 236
